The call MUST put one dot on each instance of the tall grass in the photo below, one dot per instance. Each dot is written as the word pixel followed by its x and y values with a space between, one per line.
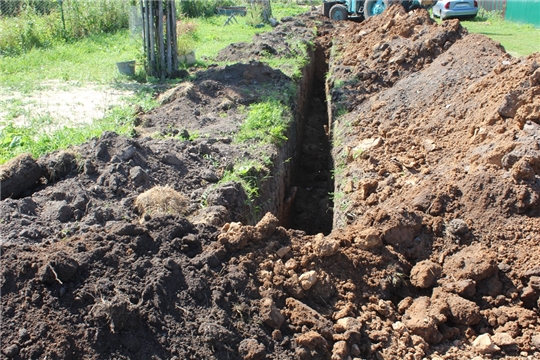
pixel 201 8
pixel 34 28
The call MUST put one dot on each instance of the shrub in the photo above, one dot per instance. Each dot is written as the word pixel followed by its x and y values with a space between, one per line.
pixel 202 8
pixel 38 26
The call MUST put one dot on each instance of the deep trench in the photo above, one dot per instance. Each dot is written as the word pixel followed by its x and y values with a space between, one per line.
pixel 312 210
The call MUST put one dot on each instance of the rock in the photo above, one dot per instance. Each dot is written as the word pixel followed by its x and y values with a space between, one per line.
pixel 325 246
pixel 367 144
pixel 250 349
pixel 484 345
pixel 291 264
pixel 234 236
pixel 270 314
pixel 128 153
pixel 466 288
pixel 266 227
pixel 355 350
pixel 276 335
pixel 171 160
pixel 138 176
pixel 400 227
pixel 273 22
pixel 429 145
pixel 457 227
pixel 11 351
pixel 369 239
pixel 209 176
pixel 535 341
pixel 312 340
pixel 425 274
pixel 503 339
pixel 534 283
pixel 491 286
pixel 281 252
pixel 300 315
pixel 529 297
pixel 212 215
pixel 474 262
pixel 522 170
pixel 60 268
pixel 423 317
pixel 308 279
pixel 462 311
pixel 58 210
pixel 340 351
pixel 346 324
pixel 532 272
pixel 127 229
pixel 366 187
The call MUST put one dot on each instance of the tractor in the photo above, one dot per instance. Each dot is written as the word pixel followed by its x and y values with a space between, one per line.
pixel 343 9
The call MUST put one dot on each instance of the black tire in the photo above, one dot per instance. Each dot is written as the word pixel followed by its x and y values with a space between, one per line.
pixel 368 7
pixel 339 12
pixel 407 5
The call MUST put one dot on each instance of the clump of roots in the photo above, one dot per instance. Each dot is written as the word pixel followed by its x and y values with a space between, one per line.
pixel 160 200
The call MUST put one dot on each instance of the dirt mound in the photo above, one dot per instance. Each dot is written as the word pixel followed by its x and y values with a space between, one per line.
pixel 434 252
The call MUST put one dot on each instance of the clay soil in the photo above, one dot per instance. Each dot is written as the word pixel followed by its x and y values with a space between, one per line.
pixel 432 140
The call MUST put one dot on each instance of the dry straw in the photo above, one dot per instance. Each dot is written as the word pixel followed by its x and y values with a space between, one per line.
pixel 161 200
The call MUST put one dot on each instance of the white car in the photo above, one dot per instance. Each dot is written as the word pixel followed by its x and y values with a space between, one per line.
pixel 455 8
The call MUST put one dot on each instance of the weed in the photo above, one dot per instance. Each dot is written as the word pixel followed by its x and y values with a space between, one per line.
pixel 266 122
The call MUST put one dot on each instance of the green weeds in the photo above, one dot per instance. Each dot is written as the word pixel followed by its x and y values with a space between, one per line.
pixel 267 123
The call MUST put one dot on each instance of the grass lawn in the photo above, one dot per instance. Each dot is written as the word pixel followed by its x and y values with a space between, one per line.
pixel 517 39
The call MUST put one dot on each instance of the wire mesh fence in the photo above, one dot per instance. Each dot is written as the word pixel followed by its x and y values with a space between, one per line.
pixel 17 7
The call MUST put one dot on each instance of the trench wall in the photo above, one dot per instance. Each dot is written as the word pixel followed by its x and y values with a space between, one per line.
pixel 276 193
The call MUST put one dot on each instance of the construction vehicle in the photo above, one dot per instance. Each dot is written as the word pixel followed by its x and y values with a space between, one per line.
pixel 344 9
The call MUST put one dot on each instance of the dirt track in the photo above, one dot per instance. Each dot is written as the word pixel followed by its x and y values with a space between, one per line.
pixel 435 247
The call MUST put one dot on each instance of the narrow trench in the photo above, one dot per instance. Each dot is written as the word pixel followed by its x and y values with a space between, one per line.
pixel 312 210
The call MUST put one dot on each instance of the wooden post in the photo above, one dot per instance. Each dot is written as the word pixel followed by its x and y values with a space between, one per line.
pixel 160 41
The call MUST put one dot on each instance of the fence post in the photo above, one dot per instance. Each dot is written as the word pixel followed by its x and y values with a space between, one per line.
pixel 61 3
pixel 160 40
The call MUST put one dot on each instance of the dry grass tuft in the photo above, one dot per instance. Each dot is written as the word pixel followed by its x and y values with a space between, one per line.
pixel 185 89
pixel 161 200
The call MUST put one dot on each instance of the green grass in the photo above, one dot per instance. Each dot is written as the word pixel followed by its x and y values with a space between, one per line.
pixel 517 39
pixel 92 59
pixel 30 139
pixel 267 123
pixel 212 36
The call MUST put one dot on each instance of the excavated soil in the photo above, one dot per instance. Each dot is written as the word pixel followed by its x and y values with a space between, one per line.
pixel 430 148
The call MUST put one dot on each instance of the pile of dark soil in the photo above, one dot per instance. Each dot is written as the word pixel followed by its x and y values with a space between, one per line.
pixel 434 251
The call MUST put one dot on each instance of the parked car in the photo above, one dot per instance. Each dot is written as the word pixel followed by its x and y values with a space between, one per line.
pixel 455 9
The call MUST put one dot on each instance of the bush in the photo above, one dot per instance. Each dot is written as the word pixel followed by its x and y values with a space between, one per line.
pixel 29 30
pixel 202 8
pixel 36 25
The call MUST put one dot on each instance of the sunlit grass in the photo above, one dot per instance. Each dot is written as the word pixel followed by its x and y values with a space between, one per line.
pixel 517 39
